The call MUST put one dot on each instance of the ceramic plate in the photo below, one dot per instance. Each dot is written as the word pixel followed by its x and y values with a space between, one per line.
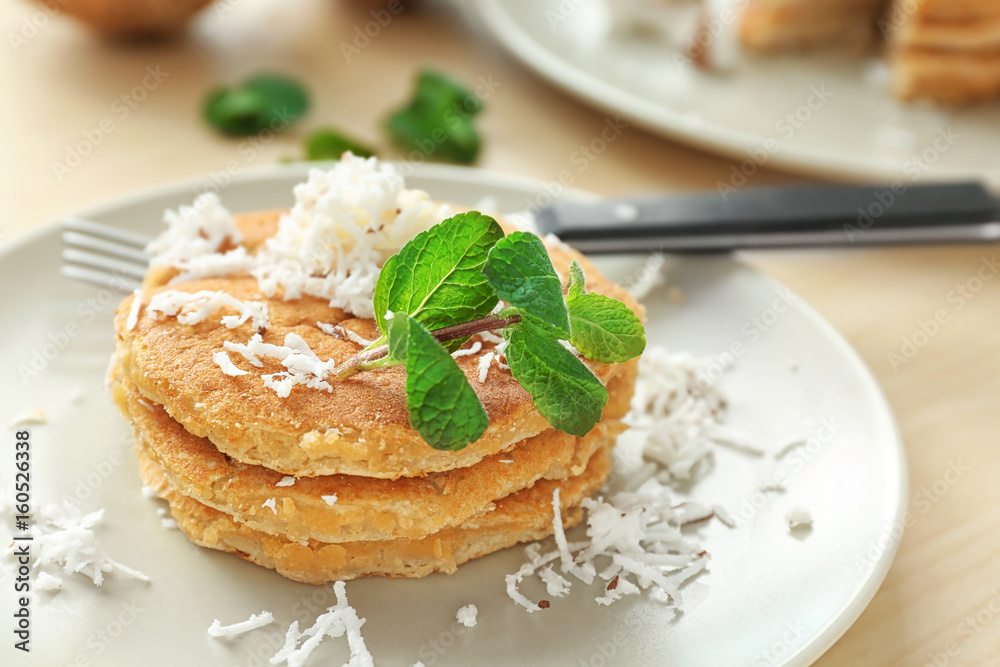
pixel 769 598
pixel 818 113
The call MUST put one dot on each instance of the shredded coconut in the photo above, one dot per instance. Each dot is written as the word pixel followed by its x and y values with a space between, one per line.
pixel 346 222
pixel 302 364
pixel 286 481
pixel 36 416
pixel 679 414
pixel 798 517
pixel 343 332
pixel 338 620
pixel 270 504
pixel 47 582
pixel 169 524
pixel 193 239
pixel 255 621
pixel 468 351
pixel 147 491
pixel 467 615
pixel 329 500
pixel 484 365
pixel 222 359
pixel 65 537
pixel 133 313
pixel 196 308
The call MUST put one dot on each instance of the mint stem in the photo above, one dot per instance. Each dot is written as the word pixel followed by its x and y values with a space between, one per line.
pixel 364 360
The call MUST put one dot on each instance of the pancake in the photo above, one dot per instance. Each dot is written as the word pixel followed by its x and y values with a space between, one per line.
pixel 366 509
pixel 360 427
pixel 783 25
pixel 948 51
pixel 524 516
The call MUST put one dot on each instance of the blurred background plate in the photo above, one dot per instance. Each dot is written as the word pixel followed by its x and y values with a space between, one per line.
pixel 769 598
pixel 766 111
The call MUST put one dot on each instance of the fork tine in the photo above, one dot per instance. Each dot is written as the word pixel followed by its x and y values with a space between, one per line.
pixel 117 283
pixel 88 242
pixel 109 264
pixel 122 236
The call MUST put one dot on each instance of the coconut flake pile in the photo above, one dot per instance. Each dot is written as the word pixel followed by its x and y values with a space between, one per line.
pixel 634 538
pixel 196 308
pixel 193 239
pixel 64 537
pixel 346 222
pixel 678 413
pixel 338 620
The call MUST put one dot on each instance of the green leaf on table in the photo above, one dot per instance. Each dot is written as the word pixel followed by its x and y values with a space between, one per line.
pixel 329 144
pixel 266 101
pixel 443 407
pixel 520 271
pixel 564 390
pixel 603 329
pixel 437 277
pixel 438 120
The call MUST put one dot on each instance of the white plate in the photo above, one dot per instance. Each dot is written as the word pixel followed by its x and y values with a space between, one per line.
pixel 766 591
pixel 860 132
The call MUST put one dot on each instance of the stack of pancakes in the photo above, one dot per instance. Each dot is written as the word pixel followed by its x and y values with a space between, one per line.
pixel 331 485
pixel 946 50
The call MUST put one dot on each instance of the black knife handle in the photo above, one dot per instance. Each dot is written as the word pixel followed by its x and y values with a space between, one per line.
pixel 757 214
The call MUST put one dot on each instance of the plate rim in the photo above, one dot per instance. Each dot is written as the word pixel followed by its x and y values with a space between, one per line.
pixel 847 614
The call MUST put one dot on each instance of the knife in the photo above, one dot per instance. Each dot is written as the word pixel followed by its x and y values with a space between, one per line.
pixel 778 217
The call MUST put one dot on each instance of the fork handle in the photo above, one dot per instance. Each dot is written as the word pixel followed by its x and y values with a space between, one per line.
pixel 799 216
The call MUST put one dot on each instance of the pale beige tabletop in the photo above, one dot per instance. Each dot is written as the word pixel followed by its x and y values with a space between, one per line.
pixel 60 84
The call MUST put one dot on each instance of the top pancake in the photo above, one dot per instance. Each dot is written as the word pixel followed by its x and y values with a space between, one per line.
pixel 361 427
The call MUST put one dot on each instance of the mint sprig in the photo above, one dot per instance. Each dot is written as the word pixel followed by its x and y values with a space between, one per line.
pixel 443 287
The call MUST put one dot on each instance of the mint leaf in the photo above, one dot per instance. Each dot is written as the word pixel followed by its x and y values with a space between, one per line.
pixel 603 329
pixel 438 120
pixel 520 271
pixel 266 101
pixel 577 281
pixel 329 144
pixel 437 277
pixel 563 389
pixel 443 407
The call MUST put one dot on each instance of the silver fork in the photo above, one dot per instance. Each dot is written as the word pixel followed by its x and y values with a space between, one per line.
pixel 103 255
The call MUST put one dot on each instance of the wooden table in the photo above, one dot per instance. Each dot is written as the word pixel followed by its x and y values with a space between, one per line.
pixel 61 83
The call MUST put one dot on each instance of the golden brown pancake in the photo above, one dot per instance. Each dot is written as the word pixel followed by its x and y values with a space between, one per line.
pixel 524 516
pixel 361 427
pixel 365 508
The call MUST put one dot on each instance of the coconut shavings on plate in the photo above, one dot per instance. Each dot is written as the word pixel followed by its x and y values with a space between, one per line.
pixel 64 537
pixel 255 621
pixel 339 620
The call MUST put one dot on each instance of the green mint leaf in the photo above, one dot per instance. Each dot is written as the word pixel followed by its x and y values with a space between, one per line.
pixel 437 277
pixel 520 271
pixel 398 334
pixel 266 101
pixel 605 329
pixel 438 120
pixel 443 407
pixel 330 144
pixel 563 389
pixel 577 281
